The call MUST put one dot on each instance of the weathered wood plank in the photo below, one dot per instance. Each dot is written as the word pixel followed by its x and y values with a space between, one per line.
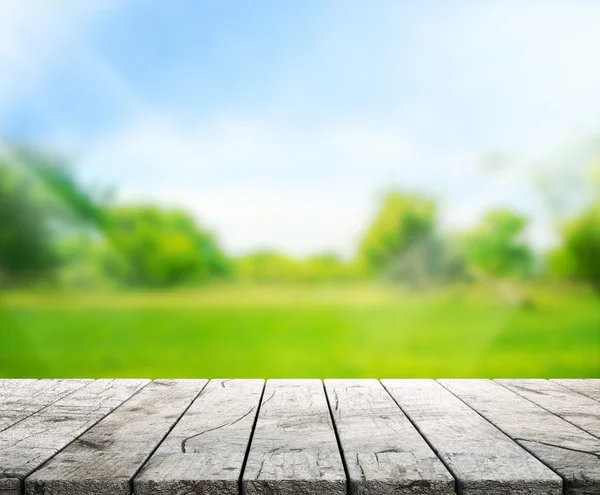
pixel 564 403
pixel 8 389
pixel 205 451
pixel 589 387
pixel 104 460
pixel 294 449
pixel 383 451
pixel 565 448
pixel 30 396
pixel 8 385
pixel 482 459
pixel 26 445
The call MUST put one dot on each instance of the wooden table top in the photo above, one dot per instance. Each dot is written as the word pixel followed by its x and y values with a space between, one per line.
pixel 304 436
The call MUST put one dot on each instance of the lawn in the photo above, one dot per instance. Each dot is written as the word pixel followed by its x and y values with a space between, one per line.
pixel 300 331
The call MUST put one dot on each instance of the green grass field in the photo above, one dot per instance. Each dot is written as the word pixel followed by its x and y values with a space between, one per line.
pixel 302 331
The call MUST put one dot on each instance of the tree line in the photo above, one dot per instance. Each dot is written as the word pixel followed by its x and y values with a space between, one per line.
pixel 53 231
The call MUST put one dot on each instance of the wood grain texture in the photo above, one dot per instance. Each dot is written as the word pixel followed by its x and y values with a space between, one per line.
pixel 28 444
pixel 205 452
pixel 104 460
pixel 383 451
pixel 567 404
pixel 27 397
pixel 294 449
pixel 482 459
pixel 589 387
pixel 9 385
pixel 566 449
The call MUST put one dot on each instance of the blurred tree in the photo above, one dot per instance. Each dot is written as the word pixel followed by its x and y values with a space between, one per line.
pixel 66 201
pixel 154 247
pixel 494 247
pixel 401 243
pixel 50 226
pixel 40 203
pixel 329 267
pixel 579 255
pixel 26 249
pixel 270 266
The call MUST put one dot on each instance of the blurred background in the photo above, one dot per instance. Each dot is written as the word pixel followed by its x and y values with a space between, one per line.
pixel 300 189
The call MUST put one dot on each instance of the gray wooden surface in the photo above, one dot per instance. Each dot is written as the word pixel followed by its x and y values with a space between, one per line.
pixel 294 448
pixel 568 450
pixel 104 460
pixel 482 459
pixel 8 386
pixel 26 397
pixel 234 437
pixel 205 452
pixel 383 451
pixel 27 445
pixel 563 402
pixel 589 387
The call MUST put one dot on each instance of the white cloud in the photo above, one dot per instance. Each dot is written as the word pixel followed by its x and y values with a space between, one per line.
pixel 521 75
pixel 261 185
pixel 239 150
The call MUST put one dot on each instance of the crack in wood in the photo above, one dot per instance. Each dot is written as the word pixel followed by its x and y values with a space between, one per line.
pixel 362 471
pixel 270 397
pixel 548 444
pixel 262 464
pixel 185 440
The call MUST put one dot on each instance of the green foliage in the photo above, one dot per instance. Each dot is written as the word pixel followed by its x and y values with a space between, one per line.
pixel 402 222
pixel 328 266
pixel 494 247
pixel 26 250
pixel 579 256
pixel 154 247
pixel 65 199
pixel 269 266
pixel 402 243
pixel 52 228
pixel 82 255
pixel 40 206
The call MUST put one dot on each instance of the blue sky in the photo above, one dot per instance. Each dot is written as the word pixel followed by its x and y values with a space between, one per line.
pixel 278 124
